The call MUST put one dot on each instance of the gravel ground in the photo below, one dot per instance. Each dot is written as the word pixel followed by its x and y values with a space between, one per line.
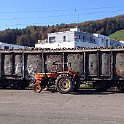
pixel 85 107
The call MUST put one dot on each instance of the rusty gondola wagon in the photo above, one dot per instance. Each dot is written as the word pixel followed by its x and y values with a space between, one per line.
pixel 103 66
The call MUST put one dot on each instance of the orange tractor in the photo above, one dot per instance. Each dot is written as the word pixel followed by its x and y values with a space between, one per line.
pixel 64 82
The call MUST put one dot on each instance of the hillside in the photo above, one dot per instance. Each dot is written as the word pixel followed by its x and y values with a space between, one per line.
pixel 118 35
pixel 31 34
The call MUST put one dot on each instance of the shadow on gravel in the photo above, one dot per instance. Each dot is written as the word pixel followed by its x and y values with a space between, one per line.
pixel 14 89
pixel 79 92
pixel 94 92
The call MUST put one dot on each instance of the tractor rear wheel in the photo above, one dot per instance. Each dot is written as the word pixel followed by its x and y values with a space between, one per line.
pixel 64 84
pixel 37 88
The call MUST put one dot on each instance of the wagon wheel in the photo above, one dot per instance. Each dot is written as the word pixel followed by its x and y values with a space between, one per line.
pixel 100 87
pixel 121 86
pixel 4 87
pixel 37 88
pixel 64 84
pixel 22 87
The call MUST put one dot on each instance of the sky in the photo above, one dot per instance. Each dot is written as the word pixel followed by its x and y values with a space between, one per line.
pixel 22 13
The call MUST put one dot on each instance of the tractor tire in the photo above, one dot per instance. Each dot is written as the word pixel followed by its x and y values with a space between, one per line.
pixel 64 84
pixel 37 88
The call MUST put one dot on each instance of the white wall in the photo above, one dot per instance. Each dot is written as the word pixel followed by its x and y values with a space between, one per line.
pixel 101 40
pixel 10 46
pixel 85 44
pixel 59 36
pixel 56 45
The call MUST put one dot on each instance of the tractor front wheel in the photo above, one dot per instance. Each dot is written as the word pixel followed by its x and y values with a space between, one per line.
pixel 37 88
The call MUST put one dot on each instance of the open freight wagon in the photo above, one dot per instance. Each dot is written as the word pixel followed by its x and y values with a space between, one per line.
pixel 103 67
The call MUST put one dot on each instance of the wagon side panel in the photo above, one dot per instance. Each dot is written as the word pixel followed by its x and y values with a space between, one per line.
pixel 54 62
pixel 91 64
pixel 33 64
pixel 119 65
pixel 76 62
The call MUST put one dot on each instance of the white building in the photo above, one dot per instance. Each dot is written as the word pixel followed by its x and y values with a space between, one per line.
pixel 101 40
pixel 74 38
pixel 121 43
pixel 10 46
pixel 116 43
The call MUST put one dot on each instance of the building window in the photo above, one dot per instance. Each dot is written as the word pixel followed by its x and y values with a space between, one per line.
pixel 94 41
pixel 51 39
pixel 106 42
pixel 83 37
pixel 91 39
pixel 64 38
pixel 6 47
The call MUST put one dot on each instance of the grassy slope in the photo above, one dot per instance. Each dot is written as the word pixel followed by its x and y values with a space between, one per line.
pixel 118 35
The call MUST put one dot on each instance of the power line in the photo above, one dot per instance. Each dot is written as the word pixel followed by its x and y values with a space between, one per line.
pixel 109 7
pixel 39 17
pixel 56 16
pixel 38 11
pixel 60 10
pixel 101 12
